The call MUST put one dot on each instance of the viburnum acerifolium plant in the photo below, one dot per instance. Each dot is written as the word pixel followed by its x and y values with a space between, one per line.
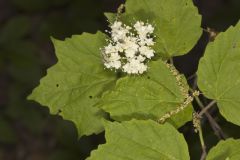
pixel 141 109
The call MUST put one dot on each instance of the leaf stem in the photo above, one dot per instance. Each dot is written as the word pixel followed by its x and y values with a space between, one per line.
pixel 217 129
pixel 205 109
pixel 204 152
pixel 198 129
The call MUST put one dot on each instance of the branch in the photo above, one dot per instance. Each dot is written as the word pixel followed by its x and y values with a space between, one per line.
pixel 204 152
pixel 205 109
pixel 198 129
pixel 217 129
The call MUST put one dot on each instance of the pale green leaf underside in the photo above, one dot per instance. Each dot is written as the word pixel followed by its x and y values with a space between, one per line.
pixel 141 140
pixel 225 150
pixel 148 96
pixel 219 73
pixel 76 82
pixel 177 23
pixel 111 17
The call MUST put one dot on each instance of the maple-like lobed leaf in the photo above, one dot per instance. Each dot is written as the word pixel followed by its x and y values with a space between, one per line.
pixel 74 85
pixel 177 23
pixel 141 140
pixel 149 96
pixel 219 73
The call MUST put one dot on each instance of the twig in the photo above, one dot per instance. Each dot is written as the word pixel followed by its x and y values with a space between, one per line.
pixel 205 109
pixel 198 129
pixel 194 87
pixel 204 152
pixel 191 76
pixel 216 128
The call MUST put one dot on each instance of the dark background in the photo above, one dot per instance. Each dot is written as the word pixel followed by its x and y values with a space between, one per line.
pixel 27 130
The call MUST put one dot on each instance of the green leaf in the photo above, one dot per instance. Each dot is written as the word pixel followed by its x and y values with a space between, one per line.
pixel 171 18
pixel 148 96
pixel 225 150
pixel 219 73
pixel 141 140
pixel 76 82
pixel 110 16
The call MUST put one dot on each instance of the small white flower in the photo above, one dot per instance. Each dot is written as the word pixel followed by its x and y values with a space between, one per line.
pixel 116 25
pixel 129 48
pixel 134 66
pixel 150 28
pixel 130 53
pixel 146 51
pixel 142 29
pixel 114 57
pixel 113 64
pixel 141 58
pixel 119 32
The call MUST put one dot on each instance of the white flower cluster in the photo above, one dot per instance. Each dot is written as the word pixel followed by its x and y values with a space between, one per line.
pixel 129 48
